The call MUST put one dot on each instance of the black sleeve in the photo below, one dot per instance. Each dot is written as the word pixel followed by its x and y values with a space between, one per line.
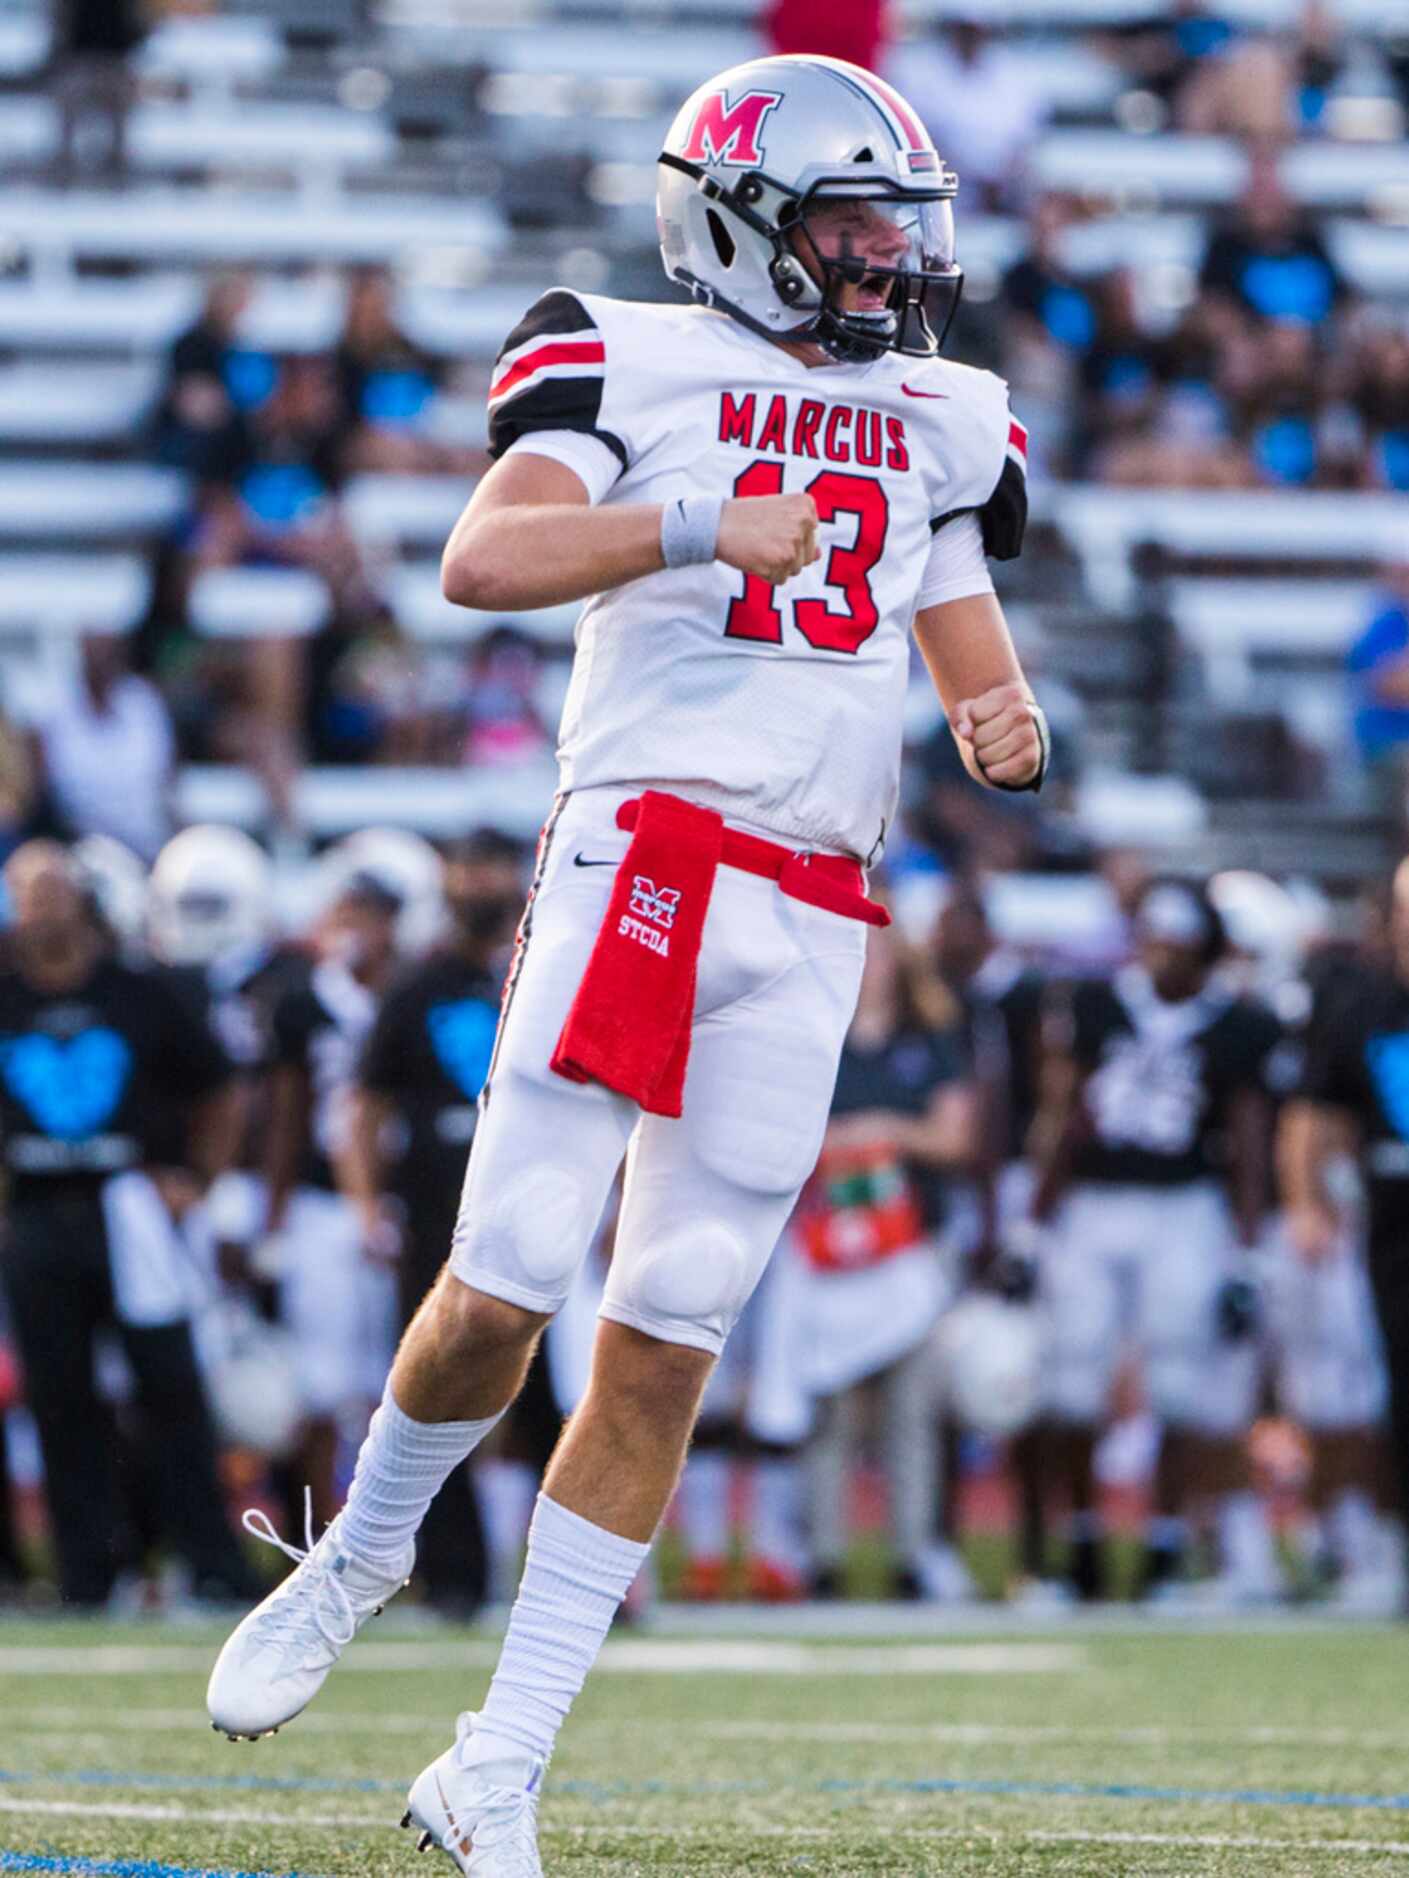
pixel 1255 1038
pixel 532 391
pixel 1332 1072
pixel 385 1057
pixel 1004 515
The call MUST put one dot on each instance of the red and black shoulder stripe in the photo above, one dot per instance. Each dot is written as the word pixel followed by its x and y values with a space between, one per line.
pixel 550 375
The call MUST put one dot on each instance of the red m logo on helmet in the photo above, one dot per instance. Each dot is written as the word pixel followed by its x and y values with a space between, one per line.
pixel 728 133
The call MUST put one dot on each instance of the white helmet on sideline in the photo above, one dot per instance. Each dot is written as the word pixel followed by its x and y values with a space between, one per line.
pixel 989 1351
pixel 212 892
pixel 406 864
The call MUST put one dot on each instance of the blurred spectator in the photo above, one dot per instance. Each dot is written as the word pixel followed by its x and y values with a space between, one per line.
pixel 857 30
pixel 503 724
pixel 298 436
pixel 387 383
pixel 201 424
pixel 364 692
pixel 1051 322
pixel 1379 399
pixel 106 750
pixel 1269 258
pixel 93 41
pixel 979 104
pixel 1378 663
pixel 1247 89
pixel 1161 52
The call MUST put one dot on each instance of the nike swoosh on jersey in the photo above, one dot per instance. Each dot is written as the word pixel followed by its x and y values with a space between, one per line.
pixel 580 860
pixel 910 393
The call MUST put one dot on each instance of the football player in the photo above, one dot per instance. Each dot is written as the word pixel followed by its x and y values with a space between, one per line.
pixel 1153 1173
pixel 759 497
pixel 332 1296
pixel 1342 1162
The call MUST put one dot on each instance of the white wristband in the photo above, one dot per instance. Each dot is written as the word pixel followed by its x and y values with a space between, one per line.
pixel 689 530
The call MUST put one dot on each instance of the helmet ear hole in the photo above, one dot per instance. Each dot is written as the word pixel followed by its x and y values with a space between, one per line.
pixel 723 241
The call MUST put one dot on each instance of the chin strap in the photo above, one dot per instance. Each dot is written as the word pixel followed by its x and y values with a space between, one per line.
pixel 1044 739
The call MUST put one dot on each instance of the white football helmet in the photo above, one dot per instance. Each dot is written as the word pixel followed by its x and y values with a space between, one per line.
pixel 748 161
pixel 211 893
pixel 1261 917
pixel 117 881
pixel 989 1351
pixel 405 863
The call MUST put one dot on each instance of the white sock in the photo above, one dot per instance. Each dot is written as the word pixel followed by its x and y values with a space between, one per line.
pixel 507 1490
pixel 1353 1531
pixel 702 1501
pixel 778 1532
pixel 575 1576
pixel 1245 1540
pixel 401 1467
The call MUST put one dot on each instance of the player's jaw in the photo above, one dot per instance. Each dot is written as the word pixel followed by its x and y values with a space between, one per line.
pixel 867 249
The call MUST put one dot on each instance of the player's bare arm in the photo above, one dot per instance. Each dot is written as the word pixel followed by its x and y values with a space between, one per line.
pixel 530 538
pixel 1249 1132
pixel 989 704
pixel 1059 1127
pixel 1309 1134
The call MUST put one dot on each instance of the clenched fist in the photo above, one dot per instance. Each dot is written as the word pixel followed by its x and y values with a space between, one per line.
pixel 1004 730
pixel 775 536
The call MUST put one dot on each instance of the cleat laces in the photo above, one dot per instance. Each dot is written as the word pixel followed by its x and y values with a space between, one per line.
pixel 506 1822
pixel 315 1595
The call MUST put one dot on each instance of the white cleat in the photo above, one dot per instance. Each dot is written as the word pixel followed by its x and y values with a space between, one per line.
pixel 479 1804
pixel 274 1662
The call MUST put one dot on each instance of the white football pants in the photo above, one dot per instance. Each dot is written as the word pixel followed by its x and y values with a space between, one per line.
pixel 706 1196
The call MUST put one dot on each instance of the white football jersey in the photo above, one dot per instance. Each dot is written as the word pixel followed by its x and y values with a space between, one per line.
pixel 781 707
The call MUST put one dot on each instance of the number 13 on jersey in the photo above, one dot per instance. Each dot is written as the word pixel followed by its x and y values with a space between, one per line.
pixel 756 612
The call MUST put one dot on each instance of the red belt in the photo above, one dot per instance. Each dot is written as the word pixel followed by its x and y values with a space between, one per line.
pixel 830 881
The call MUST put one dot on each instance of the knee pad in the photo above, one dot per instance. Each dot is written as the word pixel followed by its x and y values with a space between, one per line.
pixel 533 1230
pixel 696 1275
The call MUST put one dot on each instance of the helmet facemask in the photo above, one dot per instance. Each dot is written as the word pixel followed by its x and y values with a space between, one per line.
pixel 898 249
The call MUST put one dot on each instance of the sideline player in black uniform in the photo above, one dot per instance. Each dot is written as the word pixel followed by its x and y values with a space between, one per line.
pixel 1152 1152
pixel 1355 1095
pixel 333 1298
pixel 92 1051
pixel 412 1119
pixel 1001 997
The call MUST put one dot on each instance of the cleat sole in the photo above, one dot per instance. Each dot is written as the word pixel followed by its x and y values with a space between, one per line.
pixel 405 1819
pixel 425 1842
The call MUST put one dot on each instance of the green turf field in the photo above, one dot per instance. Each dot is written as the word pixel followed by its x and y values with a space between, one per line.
pixel 1075 1752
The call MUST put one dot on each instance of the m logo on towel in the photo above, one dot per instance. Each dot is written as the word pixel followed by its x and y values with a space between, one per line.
pixel 658 904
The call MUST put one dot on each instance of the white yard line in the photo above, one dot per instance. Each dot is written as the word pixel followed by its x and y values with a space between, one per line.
pixel 78 1724
pixel 87 1809
pixel 343 1822
pixel 631 1656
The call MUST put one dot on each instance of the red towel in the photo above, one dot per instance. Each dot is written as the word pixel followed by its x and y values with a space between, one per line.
pixel 629 1026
